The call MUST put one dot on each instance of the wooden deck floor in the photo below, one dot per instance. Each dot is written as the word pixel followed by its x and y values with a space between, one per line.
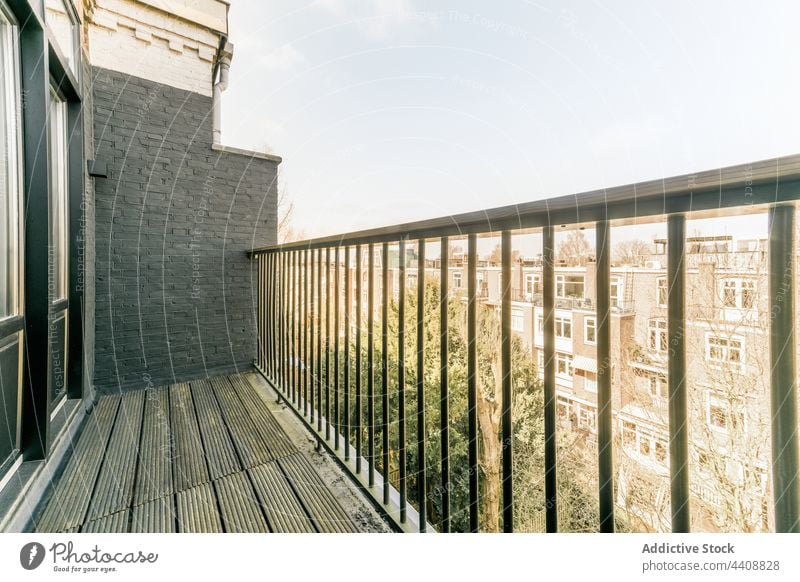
pixel 205 456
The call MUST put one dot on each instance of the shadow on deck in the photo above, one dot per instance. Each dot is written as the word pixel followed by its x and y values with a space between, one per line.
pixel 204 456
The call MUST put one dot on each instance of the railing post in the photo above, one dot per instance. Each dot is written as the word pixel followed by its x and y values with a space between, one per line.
pixel 422 485
pixel 347 301
pixel 472 379
pixel 605 418
pixel 783 378
pixel 548 288
pixel 385 368
pixel 678 390
pixel 401 376
pixel 358 370
pixel 444 410
pixel 505 355
pixel 318 383
pixel 371 363
pixel 284 334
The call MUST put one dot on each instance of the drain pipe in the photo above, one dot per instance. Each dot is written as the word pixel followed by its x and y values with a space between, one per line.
pixel 223 66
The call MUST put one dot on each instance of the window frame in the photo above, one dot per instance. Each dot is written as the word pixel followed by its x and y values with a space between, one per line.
pixel 586 326
pixel 517 320
pixel 59 104
pixel 662 287
pixel 661 329
pixel 14 305
pixel 726 349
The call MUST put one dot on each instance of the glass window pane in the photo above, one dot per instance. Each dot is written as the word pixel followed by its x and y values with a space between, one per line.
pixel 9 168
pixel 60 22
pixel 59 193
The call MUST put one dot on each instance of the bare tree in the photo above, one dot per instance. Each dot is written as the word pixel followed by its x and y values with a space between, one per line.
pixel 631 252
pixel 575 250
pixel 286 231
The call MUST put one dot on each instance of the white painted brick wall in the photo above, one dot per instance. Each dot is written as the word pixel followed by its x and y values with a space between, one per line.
pixel 129 37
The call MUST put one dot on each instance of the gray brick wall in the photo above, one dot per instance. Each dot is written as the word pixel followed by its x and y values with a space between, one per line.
pixel 174 220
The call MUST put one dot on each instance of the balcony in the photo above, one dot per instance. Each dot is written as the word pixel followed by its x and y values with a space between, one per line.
pixel 418 395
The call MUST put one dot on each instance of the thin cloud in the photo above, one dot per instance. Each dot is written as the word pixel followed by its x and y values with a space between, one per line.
pixel 374 19
pixel 284 58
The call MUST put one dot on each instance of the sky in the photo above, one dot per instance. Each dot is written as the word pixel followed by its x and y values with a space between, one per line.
pixel 387 111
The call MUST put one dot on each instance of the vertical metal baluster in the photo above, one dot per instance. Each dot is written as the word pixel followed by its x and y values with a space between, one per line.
pixel 371 363
pixel 281 315
pixel 347 301
pixel 306 342
pixel 259 310
pixel 358 370
pixel 270 331
pixel 505 355
pixel 472 378
pixel 285 322
pixel 401 377
pixel 422 484
pixel 312 340
pixel 678 390
pixel 605 418
pixel 550 475
pixel 293 325
pixel 783 391
pixel 337 420
pixel 319 340
pixel 385 368
pixel 444 397
pixel 328 344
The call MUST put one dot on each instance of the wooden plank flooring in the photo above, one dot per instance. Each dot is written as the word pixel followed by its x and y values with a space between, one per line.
pixel 204 456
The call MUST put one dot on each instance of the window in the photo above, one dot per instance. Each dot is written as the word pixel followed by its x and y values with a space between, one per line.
pixel 61 21
pixel 724 415
pixel 748 294
pixel 457 280
pixel 661 451
pixel 590 382
pixel 662 292
pixel 738 293
pixel 563 364
pixel 658 387
pixel 569 286
pixel 587 418
pixel 517 320
pixel 727 350
pixel 10 198
pixel 59 195
pixel 644 442
pixel 614 291
pixel 657 335
pixel 533 285
pixel 729 293
pixel 564 327
pixel 590 330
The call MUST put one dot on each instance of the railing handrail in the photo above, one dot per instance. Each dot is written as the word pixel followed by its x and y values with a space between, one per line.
pixel 694 191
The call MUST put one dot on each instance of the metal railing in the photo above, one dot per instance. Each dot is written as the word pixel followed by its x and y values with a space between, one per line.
pixel 298 296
